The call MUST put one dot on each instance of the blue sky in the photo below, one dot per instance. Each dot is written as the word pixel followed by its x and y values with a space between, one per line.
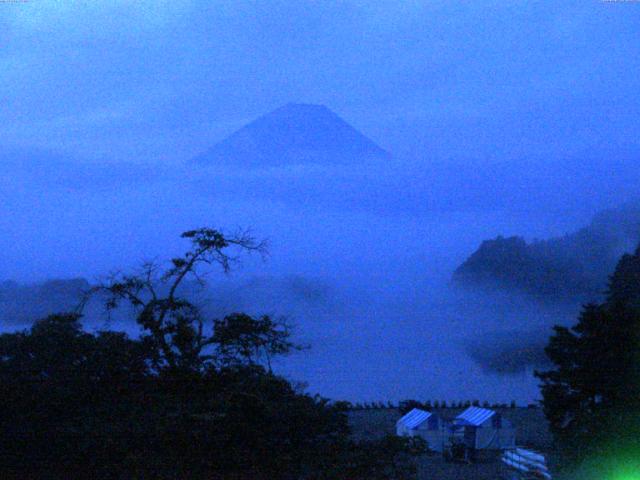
pixel 161 81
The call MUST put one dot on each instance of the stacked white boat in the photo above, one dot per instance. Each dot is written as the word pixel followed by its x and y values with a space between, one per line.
pixel 529 464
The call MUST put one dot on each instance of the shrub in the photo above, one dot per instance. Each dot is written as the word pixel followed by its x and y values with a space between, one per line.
pixel 343 405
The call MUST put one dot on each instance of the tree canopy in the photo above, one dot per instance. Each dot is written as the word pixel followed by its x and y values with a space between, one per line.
pixel 192 397
pixel 592 396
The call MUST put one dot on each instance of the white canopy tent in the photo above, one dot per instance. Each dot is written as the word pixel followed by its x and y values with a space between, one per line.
pixel 426 425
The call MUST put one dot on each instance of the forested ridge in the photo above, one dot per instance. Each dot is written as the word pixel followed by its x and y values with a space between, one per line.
pixel 574 266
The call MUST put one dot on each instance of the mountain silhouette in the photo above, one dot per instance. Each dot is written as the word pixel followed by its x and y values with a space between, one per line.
pixel 294 134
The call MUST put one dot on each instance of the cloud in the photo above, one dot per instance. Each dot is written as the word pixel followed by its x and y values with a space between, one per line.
pixel 512 352
pixel 427 79
pixel 86 19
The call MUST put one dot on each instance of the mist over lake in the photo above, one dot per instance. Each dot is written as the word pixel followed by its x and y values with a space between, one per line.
pixel 364 274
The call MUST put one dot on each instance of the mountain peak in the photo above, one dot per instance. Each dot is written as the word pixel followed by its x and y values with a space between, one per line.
pixel 304 107
pixel 292 134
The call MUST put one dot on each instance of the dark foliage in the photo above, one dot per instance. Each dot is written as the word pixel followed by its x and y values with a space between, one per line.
pixel 592 396
pixel 74 403
pixel 190 398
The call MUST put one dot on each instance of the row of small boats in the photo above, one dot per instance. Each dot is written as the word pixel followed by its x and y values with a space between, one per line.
pixel 529 463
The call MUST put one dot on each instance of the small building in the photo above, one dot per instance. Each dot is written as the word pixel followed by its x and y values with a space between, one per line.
pixel 484 429
pixel 427 425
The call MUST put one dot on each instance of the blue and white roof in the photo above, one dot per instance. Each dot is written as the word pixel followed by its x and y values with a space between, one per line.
pixel 475 416
pixel 414 418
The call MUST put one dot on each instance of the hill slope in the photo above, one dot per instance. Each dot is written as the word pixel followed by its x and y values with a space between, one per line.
pixel 576 265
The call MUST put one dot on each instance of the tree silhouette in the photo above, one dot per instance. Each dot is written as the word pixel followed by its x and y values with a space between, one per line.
pixel 592 396
pixel 172 324
pixel 191 398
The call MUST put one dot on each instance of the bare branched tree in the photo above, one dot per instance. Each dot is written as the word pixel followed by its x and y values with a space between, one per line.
pixel 172 325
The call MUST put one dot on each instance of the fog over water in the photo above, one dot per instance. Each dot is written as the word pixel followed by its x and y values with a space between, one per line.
pixel 365 282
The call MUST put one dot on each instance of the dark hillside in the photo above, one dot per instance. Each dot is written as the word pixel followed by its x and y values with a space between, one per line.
pixel 573 266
